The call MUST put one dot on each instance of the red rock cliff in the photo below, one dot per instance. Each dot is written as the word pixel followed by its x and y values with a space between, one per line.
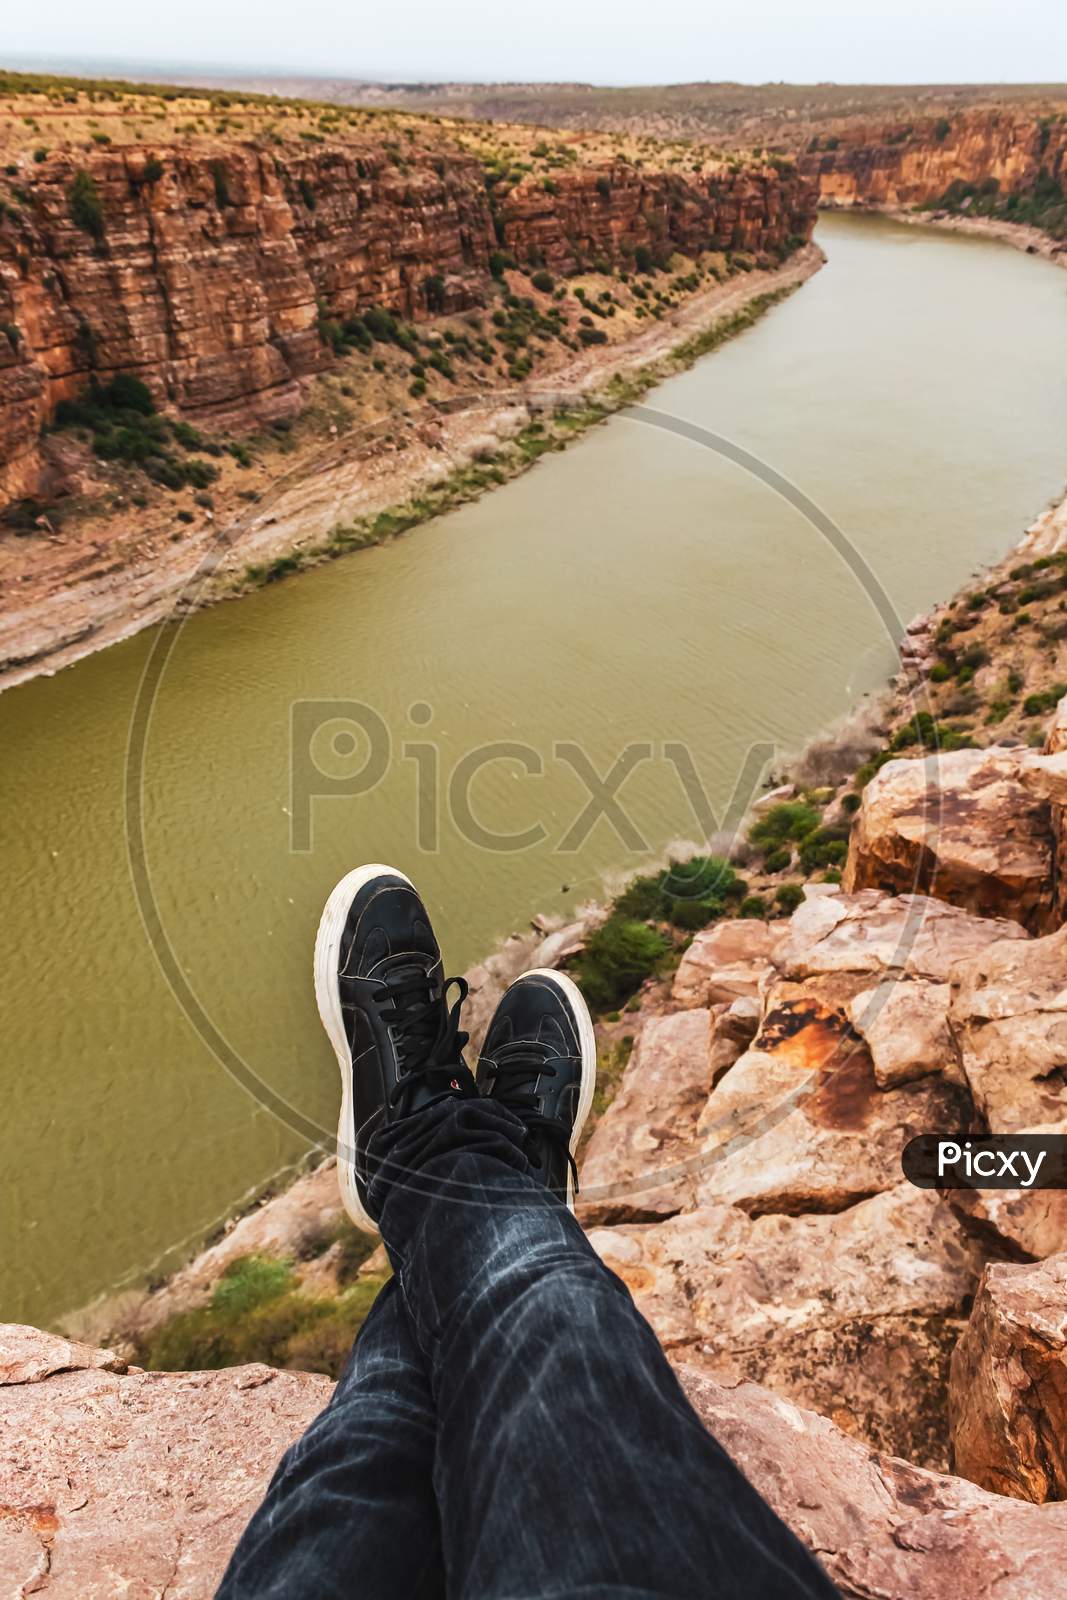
pixel 902 164
pixel 205 273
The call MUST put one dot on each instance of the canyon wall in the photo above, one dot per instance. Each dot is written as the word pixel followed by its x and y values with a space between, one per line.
pixel 205 273
pixel 902 164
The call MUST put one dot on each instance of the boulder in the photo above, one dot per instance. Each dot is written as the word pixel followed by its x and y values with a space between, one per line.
pixel 1008 1012
pixel 724 962
pixel 768 1300
pixel 733 1029
pixel 636 1166
pixel 884 1529
pixel 800 1122
pixel 960 825
pixel 1008 1394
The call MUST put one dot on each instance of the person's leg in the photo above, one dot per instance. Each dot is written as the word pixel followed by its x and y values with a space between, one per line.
pixel 351 1509
pixel 569 1462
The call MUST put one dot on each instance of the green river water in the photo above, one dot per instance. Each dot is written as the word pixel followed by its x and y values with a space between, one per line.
pixel 639 589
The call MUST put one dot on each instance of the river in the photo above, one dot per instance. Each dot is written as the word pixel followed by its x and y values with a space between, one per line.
pixel 640 590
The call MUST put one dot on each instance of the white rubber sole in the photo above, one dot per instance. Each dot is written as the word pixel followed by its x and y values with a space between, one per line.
pixel 587 1040
pixel 327 997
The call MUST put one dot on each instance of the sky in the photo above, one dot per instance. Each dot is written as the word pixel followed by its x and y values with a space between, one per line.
pixel 594 41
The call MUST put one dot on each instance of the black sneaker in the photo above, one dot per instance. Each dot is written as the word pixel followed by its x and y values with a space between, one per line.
pixel 381 994
pixel 539 1060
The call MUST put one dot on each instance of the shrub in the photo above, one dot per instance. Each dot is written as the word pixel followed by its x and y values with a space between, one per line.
pixel 153 170
pixel 257 1313
pixel 544 281
pixel 850 803
pixel 789 896
pixel 592 336
pixel 643 259
pixel 824 847
pixel 791 819
pixel 40 155
pixel 307 194
pixel 940 672
pixel 752 906
pixel 222 184
pixel 86 211
pixel 434 289
pixel 603 187
pixel 777 860
pixel 1036 704
pixel 617 959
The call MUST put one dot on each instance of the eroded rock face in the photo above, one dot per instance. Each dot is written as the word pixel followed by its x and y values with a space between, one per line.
pixel 800 1123
pixel 868 1344
pixel 884 1529
pixel 1009 1383
pixel 962 826
pixel 1009 1016
pixel 208 278
pixel 636 1164
pixel 724 962
pixel 866 167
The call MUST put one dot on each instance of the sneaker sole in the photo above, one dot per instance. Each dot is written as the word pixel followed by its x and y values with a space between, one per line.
pixel 327 997
pixel 587 1040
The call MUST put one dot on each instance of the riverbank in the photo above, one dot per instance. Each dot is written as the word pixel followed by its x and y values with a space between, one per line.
pixel 366 486
pixel 1021 236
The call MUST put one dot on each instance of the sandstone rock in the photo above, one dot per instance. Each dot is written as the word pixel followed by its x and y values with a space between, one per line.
pixel 135 1484
pixel 1009 1383
pixel 140 1484
pixel 733 1029
pixel 724 962
pixel 873 932
pixel 800 1123
pixel 959 825
pixel 1009 1014
pixel 868 1346
pixel 904 1023
pixel 210 282
pixel 29 1356
pixel 884 1529
pixel 1056 745
pixel 1026 1224
pixel 635 1167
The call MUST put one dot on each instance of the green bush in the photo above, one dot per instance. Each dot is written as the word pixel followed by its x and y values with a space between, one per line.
pixel 790 820
pixel 824 847
pixel 789 896
pixel 1035 705
pixel 592 336
pixel 153 170
pixel 86 211
pixel 222 184
pixel 544 281
pixel 940 672
pixel 752 905
pixel 257 1313
pixel 777 860
pixel 617 959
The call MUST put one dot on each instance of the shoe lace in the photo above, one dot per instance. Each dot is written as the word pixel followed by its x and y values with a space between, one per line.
pixel 514 1068
pixel 429 1040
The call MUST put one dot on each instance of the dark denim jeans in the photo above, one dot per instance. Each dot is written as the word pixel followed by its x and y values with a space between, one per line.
pixel 507 1426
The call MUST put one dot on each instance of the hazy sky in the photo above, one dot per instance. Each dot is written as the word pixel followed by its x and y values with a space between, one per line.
pixel 599 41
